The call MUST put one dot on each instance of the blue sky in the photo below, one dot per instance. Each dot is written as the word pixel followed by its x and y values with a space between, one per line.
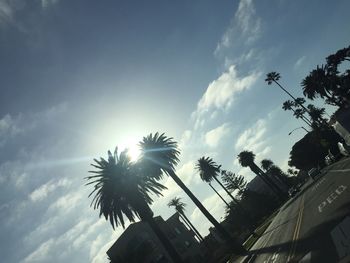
pixel 80 77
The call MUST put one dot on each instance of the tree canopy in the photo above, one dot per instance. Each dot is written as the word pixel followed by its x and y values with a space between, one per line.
pixel 328 82
pixel 311 150
pixel 120 189
pixel 207 168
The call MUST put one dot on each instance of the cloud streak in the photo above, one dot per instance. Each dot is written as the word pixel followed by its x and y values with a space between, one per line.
pixel 215 136
pixel 221 93
pixel 245 27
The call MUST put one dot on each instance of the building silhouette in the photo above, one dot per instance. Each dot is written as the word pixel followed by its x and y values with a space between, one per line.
pixel 139 243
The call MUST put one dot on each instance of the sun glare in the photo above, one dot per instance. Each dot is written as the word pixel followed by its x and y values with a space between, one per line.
pixel 130 144
pixel 134 152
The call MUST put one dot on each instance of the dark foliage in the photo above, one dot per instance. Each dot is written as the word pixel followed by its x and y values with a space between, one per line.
pixel 207 168
pixel 233 182
pixel 311 150
pixel 261 206
pixel 119 190
pixel 328 83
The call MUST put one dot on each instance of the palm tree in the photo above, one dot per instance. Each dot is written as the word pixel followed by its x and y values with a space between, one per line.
pixel 121 190
pixel 266 164
pixel 274 77
pixel 159 154
pixel 246 159
pixel 316 115
pixel 273 170
pixel 288 105
pixel 318 83
pixel 209 170
pixel 180 208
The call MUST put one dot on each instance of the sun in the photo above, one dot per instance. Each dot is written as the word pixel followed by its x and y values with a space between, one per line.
pixel 134 152
pixel 131 145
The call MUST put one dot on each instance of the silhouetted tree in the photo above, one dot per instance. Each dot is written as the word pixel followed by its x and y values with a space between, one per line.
pixel 260 205
pixel 273 77
pixel 328 83
pixel 311 150
pixel 233 182
pixel 288 105
pixel 209 170
pixel 274 171
pixel 180 208
pixel 159 154
pixel 121 190
pixel 315 113
pixel 266 164
pixel 246 159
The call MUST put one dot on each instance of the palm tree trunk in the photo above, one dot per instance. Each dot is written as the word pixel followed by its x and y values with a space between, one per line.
pixel 268 181
pixel 219 194
pixel 286 91
pixel 236 247
pixel 227 191
pixel 306 120
pixel 146 215
pixel 301 105
pixel 246 213
pixel 184 217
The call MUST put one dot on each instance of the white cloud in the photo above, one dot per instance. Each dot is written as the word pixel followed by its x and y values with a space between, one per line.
pixel 67 202
pixel 254 139
pixel 251 138
pixel 12 127
pixel 6 12
pixel 299 62
pixel 221 92
pixel 42 192
pixel 10 8
pixel 48 3
pixel 96 245
pixel 213 137
pixel 245 26
pixel 41 253
pixel 101 256
pixel 83 238
pixel 9 128
pixel 185 138
pixel 247 20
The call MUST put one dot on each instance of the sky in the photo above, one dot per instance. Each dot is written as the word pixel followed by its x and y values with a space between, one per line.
pixel 80 77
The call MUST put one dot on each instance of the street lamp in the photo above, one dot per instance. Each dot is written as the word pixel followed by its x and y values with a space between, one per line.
pixel 298 129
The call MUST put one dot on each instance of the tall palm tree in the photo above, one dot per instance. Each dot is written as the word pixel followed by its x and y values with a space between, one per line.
pixel 273 170
pixel 180 208
pixel 316 115
pixel 246 159
pixel 159 154
pixel 121 190
pixel 209 170
pixel 288 105
pixel 273 77
pixel 266 164
pixel 318 84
